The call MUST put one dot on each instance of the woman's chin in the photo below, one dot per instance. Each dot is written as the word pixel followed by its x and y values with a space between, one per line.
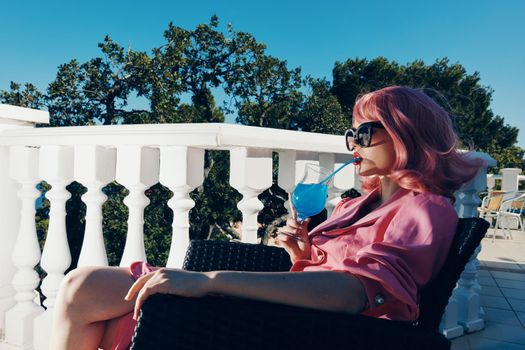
pixel 364 171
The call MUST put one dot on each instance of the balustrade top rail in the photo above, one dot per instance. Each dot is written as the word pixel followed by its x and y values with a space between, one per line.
pixel 202 135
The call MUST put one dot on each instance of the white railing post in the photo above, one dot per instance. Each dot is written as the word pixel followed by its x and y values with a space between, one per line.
pixel 9 216
pixel 464 313
pixel 56 168
pixel 11 118
pixel 286 176
pixel 250 174
pixel 181 170
pixel 292 167
pixel 26 253
pixel 491 183
pixel 509 180
pixel 137 170
pixel 344 180
pixel 94 168
pixel 327 161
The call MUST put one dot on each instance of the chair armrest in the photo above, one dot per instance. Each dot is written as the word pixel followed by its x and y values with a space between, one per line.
pixel 210 255
pixel 217 322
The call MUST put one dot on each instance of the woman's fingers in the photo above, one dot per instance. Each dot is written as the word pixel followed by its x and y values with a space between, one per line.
pixel 289 244
pixel 137 286
pixel 141 297
pixel 155 284
pixel 291 222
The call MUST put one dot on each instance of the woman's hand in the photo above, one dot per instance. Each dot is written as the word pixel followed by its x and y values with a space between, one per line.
pixel 294 237
pixel 168 281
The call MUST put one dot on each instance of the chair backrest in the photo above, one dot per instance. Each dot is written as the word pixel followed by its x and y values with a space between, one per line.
pixel 495 203
pixel 518 204
pixel 434 297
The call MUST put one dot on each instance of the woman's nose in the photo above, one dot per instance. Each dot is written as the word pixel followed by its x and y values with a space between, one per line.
pixel 353 145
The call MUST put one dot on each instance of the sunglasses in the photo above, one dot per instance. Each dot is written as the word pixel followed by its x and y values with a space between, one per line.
pixel 361 136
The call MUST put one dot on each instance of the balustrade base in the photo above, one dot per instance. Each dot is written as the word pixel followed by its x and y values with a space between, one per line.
pixel 5 346
pixel 482 314
pixel 19 326
pixel 473 325
pixel 5 305
pixel 453 332
pixel 42 333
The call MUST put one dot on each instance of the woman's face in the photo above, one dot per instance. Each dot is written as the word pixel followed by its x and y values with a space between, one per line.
pixel 379 157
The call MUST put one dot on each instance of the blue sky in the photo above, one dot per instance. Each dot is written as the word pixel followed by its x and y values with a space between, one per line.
pixel 484 36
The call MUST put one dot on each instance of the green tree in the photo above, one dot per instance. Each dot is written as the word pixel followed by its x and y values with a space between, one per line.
pixel 322 112
pixel 23 96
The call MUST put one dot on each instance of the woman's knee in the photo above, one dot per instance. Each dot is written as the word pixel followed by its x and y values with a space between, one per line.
pixel 79 285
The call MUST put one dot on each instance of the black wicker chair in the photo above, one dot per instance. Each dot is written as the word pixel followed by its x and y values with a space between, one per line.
pixel 218 322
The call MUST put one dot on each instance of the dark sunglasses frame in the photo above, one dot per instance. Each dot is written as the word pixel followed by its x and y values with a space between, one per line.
pixel 357 135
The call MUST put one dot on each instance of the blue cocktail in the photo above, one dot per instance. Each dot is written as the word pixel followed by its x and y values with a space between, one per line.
pixel 309 199
pixel 309 196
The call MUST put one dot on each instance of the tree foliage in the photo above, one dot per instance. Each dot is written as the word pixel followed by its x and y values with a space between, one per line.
pixel 181 79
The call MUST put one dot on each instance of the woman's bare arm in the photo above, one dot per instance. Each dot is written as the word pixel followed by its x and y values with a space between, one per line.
pixel 324 290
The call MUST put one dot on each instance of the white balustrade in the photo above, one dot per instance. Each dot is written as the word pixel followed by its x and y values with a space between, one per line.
pixel 181 170
pixel 26 254
pixel 137 170
pixel 250 174
pixel 56 168
pixel 94 168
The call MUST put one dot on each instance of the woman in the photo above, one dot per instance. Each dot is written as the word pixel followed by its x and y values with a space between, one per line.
pixel 372 256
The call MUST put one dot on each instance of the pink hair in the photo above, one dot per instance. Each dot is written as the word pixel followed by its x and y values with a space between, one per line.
pixel 427 159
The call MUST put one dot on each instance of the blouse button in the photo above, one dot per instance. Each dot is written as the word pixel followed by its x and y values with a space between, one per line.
pixel 379 300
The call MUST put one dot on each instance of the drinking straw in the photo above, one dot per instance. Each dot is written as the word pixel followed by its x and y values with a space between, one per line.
pixel 339 169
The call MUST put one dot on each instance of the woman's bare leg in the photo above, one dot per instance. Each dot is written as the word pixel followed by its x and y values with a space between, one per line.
pixel 88 297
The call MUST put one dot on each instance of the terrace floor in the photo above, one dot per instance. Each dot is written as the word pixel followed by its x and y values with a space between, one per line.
pixel 502 279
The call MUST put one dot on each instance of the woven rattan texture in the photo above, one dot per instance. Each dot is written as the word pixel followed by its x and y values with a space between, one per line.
pixel 207 255
pixel 172 322
pixel 434 297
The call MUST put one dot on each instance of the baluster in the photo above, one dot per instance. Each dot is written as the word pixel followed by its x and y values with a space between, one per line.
pixel 467 293
pixel 10 219
pixel 137 170
pixel 509 179
pixel 286 178
pixel 56 167
pixel 181 170
pixel 250 174
pixel 491 182
pixel 26 254
pixel 327 161
pixel 449 322
pixel 292 167
pixel 463 309
pixel 94 168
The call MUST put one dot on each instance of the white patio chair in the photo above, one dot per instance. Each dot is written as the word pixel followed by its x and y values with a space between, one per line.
pixel 510 211
pixel 490 205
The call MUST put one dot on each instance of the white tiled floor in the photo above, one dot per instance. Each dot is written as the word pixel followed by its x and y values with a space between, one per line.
pixel 502 280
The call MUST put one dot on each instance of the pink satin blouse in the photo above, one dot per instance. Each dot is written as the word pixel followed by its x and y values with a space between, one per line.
pixel 394 251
